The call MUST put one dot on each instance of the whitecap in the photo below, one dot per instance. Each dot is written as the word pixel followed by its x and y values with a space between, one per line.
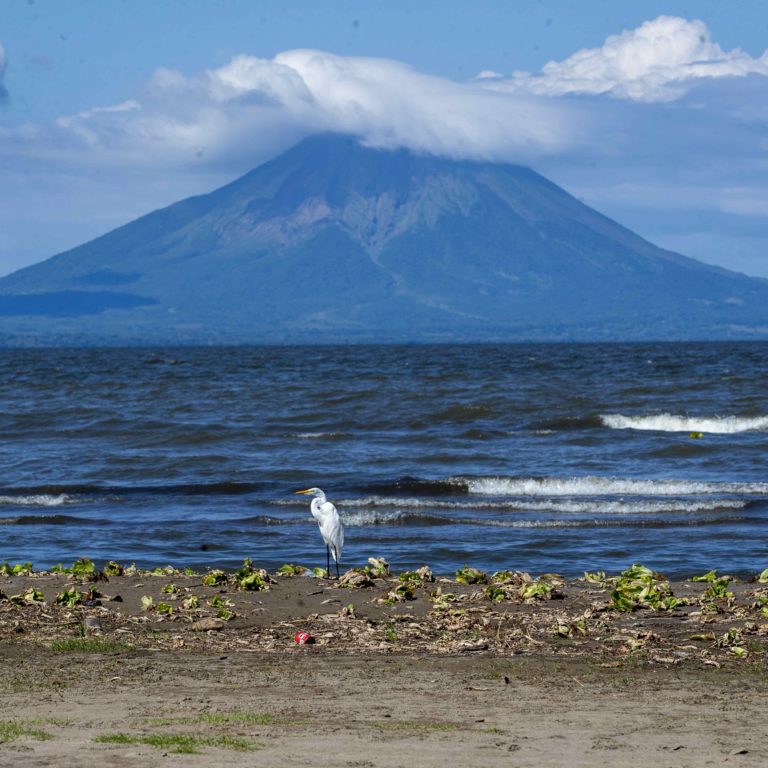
pixel 602 486
pixel 668 422
pixel 36 500
pixel 319 435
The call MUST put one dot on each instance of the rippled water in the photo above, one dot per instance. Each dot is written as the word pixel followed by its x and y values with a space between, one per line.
pixel 540 457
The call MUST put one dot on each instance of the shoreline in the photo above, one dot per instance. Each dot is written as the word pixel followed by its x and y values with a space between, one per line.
pixel 543 672
pixel 639 615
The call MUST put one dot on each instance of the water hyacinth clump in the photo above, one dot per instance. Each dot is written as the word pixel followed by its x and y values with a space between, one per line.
pixel 640 587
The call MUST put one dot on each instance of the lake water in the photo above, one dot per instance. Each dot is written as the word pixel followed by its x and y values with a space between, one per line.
pixel 539 457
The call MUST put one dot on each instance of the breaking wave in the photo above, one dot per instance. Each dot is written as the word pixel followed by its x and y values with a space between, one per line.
pixel 605 486
pixel 36 500
pixel 667 422
pixel 400 518
pixel 575 506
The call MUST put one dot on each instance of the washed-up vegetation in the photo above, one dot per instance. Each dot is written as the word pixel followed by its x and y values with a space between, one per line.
pixel 613 618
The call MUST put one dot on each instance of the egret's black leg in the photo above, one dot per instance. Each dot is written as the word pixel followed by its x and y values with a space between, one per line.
pixel 327 561
pixel 337 570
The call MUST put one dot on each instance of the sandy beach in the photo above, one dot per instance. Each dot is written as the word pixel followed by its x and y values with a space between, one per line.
pixel 159 668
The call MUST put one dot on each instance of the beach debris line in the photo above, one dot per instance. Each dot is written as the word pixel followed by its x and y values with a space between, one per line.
pixel 718 619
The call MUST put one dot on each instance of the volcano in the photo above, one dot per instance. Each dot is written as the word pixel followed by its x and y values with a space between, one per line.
pixel 333 241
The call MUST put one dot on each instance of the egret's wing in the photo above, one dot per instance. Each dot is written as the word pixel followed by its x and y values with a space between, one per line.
pixel 332 530
pixel 327 509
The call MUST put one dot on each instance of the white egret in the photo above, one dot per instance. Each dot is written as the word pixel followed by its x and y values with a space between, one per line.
pixel 331 528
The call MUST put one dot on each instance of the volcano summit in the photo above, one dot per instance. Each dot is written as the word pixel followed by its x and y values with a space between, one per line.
pixel 336 242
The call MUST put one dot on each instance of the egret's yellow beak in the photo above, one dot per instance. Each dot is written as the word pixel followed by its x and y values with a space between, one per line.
pixel 307 491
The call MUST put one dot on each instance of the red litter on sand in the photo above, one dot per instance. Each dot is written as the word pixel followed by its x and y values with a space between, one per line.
pixel 304 638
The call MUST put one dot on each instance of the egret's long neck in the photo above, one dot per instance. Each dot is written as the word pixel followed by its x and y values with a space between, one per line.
pixel 315 505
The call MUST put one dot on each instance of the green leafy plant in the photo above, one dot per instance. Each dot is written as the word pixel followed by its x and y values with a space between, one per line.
pixel 164 608
pixel 495 593
pixel 113 568
pixel 147 603
pixel 421 576
pixel 83 568
pixel 192 603
pixel 69 598
pixel 377 567
pixel 640 587
pixel 214 578
pixel 731 639
pixel 217 602
pixel 19 569
pixel 251 579
pixel 171 589
pixel 401 593
pixel 507 577
pixel 253 583
pixel 30 597
pixel 441 601
pixel 763 577
pixel 567 629
pixel 717 586
pixel 537 589
pixel 165 570
pixel 289 569
pixel 468 575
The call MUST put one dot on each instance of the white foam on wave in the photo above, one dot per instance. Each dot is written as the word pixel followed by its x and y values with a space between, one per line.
pixel 623 507
pixel 36 500
pixel 668 422
pixel 370 517
pixel 373 510
pixel 613 508
pixel 604 486
pixel 318 435
pixel 575 506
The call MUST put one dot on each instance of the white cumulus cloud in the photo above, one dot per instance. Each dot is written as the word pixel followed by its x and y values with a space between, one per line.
pixel 656 62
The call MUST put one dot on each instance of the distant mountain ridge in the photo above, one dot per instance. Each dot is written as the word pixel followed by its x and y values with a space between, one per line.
pixel 336 242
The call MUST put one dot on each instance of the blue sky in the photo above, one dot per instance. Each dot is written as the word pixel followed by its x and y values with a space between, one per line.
pixel 654 113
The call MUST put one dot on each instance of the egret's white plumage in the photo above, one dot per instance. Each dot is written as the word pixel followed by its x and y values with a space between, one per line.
pixel 329 521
